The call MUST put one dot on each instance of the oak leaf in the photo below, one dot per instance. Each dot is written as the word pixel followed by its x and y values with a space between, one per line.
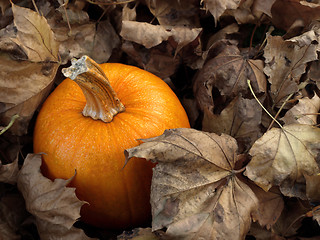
pixel 282 157
pixel 196 192
pixel 54 205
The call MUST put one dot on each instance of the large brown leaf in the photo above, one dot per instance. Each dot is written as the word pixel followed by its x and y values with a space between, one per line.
pixel 229 72
pixel 196 193
pixel 28 64
pixel 54 205
pixel 286 61
pixel 282 157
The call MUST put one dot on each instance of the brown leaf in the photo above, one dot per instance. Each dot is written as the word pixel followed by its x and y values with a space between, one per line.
pixel 54 205
pixel 228 72
pixel 28 64
pixel 312 187
pixel 195 192
pixel 305 112
pixel 175 13
pixel 285 63
pixel 282 157
pixel 9 172
pixel 286 12
pixel 263 6
pixel 217 7
pixel 314 72
pixel 240 119
pixel 140 234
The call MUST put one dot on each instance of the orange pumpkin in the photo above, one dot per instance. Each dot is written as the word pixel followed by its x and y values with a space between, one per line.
pixel 87 129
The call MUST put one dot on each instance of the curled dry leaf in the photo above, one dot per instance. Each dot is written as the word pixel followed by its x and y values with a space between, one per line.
pixel 240 119
pixel 305 112
pixel 282 157
pixel 54 205
pixel 150 35
pixel 196 193
pixel 9 172
pixel 285 63
pixel 217 7
pixel 28 64
pixel 228 72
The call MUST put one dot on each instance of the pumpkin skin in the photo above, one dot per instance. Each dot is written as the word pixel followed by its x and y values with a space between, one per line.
pixel 118 197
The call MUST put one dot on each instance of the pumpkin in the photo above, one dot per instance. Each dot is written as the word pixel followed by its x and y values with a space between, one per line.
pixel 86 124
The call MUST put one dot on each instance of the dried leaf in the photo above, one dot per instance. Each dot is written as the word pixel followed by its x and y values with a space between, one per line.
pixel 150 35
pixel 54 205
pixel 263 6
pixel 29 61
pixel 217 8
pixel 286 12
pixel 285 63
pixel 175 13
pixel 240 119
pixel 312 187
pixel 140 234
pixel 282 157
pixel 305 112
pixel 243 14
pixel 9 172
pixel 228 72
pixel 195 191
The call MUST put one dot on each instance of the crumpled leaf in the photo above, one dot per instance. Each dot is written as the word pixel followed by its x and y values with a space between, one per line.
pixel 228 72
pixel 28 64
pixel 9 172
pixel 304 112
pixel 285 63
pixel 196 193
pixel 150 35
pixel 286 12
pixel 217 7
pixel 240 119
pixel 243 14
pixel 314 72
pixel 282 157
pixel 141 234
pixel 175 12
pixel 54 205
pixel 263 6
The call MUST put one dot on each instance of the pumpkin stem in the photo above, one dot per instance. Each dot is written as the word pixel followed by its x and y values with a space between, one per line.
pixel 102 100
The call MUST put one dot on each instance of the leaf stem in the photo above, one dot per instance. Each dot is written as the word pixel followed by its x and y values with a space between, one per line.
pixel 255 97
pixel 13 119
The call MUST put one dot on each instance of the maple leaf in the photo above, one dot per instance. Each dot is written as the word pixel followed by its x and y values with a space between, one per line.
pixel 54 205
pixel 217 7
pixel 304 112
pixel 285 62
pixel 196 191
pixel 282 157
pixel 240 119
pixel 228 72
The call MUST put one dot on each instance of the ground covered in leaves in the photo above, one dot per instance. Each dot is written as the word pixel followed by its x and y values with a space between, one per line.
pixel 247 73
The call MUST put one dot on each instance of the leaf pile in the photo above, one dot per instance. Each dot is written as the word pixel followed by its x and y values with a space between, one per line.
pixel 248 75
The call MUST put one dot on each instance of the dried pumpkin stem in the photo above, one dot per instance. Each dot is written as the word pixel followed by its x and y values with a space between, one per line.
pixel 102 101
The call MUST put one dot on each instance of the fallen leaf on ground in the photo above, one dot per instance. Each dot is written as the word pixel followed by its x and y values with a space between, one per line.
pixel 285 63
pixel 263 6
pixel 196 192
pixel 229 72
pixel 54 205
pixel 304 112
pixel 141 234
pixel 29 62
pixel 282 157
pixel 217 7
pixel 9 172
pixel 240 119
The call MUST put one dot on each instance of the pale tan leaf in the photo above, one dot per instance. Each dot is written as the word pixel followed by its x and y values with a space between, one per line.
pixel 9 172
pixel 312 187
pixel 240 119
pixel 305 112
pixel 195 193
pixel 217 7
pixel 263 6
pixel 28 64
pixel 51 202
pixel 140 234
pixel 282 157
pixel 285 63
